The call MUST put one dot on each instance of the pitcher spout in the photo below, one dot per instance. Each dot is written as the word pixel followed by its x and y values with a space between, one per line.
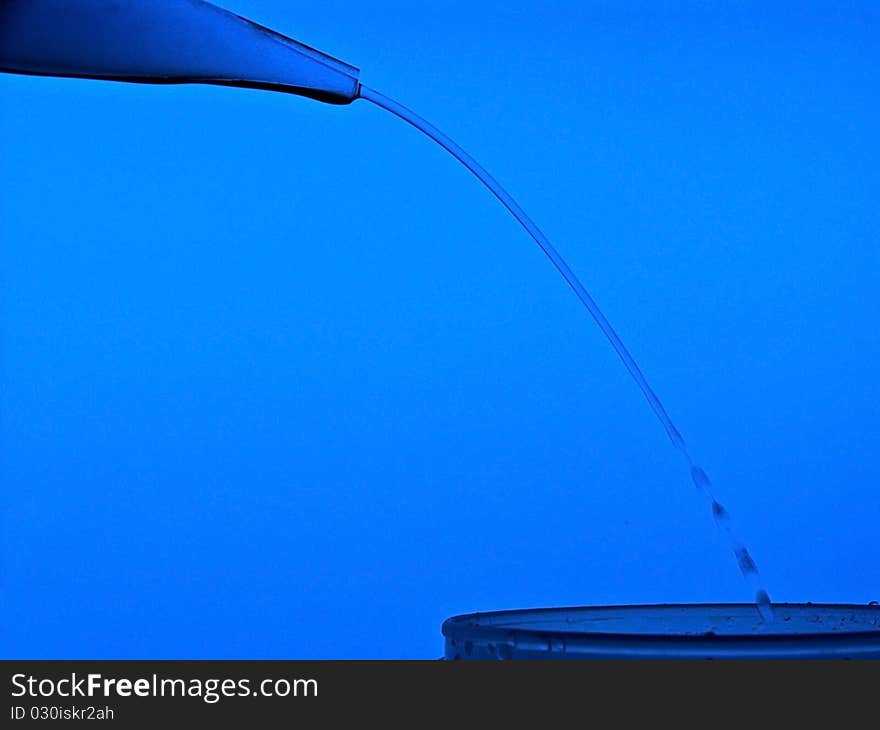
pixel 164 41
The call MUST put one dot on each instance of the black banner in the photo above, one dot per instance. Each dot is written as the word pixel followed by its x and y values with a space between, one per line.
pixel 136 693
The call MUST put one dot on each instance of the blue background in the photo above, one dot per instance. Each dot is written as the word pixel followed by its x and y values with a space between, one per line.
pixel 282 380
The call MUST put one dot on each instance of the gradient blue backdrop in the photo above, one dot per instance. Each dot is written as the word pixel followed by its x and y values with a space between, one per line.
pixel 280 379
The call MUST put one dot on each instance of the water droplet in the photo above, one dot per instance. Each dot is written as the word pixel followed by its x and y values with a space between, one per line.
pixel 762 599
pixel 701 479
pixel 719 512
pixel 746 564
